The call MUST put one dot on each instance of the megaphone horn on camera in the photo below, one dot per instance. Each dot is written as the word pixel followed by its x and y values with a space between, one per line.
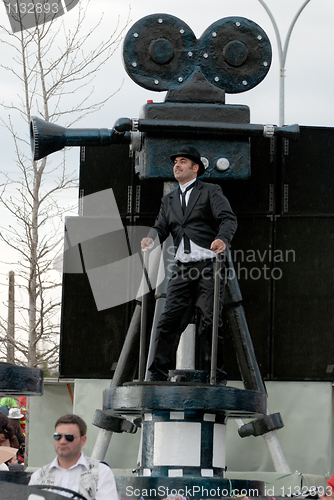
pixel 47 138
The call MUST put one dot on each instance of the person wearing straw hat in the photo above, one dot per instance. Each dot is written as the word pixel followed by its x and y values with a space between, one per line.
pixel 202 224
pixel 15 414
pixel 6 454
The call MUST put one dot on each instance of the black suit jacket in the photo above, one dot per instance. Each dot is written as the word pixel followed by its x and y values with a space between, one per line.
pixel 208 217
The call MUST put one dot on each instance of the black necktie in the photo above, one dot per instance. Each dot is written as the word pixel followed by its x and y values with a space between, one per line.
pixel 184 206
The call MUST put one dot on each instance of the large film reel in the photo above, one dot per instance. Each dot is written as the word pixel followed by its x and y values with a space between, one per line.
pixel 159 52
pixel 234 54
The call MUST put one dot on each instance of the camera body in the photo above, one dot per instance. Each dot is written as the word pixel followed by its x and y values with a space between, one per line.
pixel 223 158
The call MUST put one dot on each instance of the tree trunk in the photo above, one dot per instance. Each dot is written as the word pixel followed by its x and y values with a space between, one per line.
pixel 11 318
pixel 33 284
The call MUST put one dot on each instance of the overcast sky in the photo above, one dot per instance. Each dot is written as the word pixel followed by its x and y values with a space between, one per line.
pixel 309 66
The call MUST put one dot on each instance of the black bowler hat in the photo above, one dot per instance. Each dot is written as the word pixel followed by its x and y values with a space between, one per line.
pixel 192 154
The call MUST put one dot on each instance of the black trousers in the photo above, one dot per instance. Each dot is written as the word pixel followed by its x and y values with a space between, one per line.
pixel 190 289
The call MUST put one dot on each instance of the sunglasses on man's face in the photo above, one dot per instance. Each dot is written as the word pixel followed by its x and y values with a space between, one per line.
pixel 69 437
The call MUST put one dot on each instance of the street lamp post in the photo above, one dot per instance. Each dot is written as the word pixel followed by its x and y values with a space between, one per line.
pixel 282 52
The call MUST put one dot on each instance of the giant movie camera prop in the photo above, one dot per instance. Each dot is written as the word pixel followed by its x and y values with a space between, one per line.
pixel 161 53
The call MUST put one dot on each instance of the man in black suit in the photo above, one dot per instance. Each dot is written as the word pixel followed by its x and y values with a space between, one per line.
pixel 202 224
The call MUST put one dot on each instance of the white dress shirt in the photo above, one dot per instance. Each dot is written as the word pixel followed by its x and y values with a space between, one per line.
pixel 70 478
pixel 196 252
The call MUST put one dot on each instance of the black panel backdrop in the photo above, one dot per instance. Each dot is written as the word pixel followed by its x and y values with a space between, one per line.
pixel 283 253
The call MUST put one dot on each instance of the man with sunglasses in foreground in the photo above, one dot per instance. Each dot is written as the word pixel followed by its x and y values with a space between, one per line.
pixel 71 469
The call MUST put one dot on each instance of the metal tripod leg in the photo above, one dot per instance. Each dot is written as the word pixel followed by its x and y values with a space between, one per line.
pixel 128 352
pixel 249 368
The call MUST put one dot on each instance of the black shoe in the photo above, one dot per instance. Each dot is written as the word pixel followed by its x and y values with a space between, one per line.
pixel 156 377
pixel 221 377
pixel 157 373
pixel 221 382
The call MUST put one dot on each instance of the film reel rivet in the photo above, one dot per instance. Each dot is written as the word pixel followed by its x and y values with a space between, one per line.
pixel 205 55
pixel 214 34
pixel 160 21
pixel 136 35
pixel 238 24
pixel 244 82
pixel 134 64
pixel 259 37
pixel 182 31
pixel 190 54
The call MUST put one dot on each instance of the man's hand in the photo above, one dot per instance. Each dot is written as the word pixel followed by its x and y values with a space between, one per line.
pixel 218 246
pixel 146 244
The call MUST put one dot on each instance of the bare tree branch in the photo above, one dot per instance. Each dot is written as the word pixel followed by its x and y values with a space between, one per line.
pixel 51 64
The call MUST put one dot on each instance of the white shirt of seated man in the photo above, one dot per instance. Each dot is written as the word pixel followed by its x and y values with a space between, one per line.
pixel 67 468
